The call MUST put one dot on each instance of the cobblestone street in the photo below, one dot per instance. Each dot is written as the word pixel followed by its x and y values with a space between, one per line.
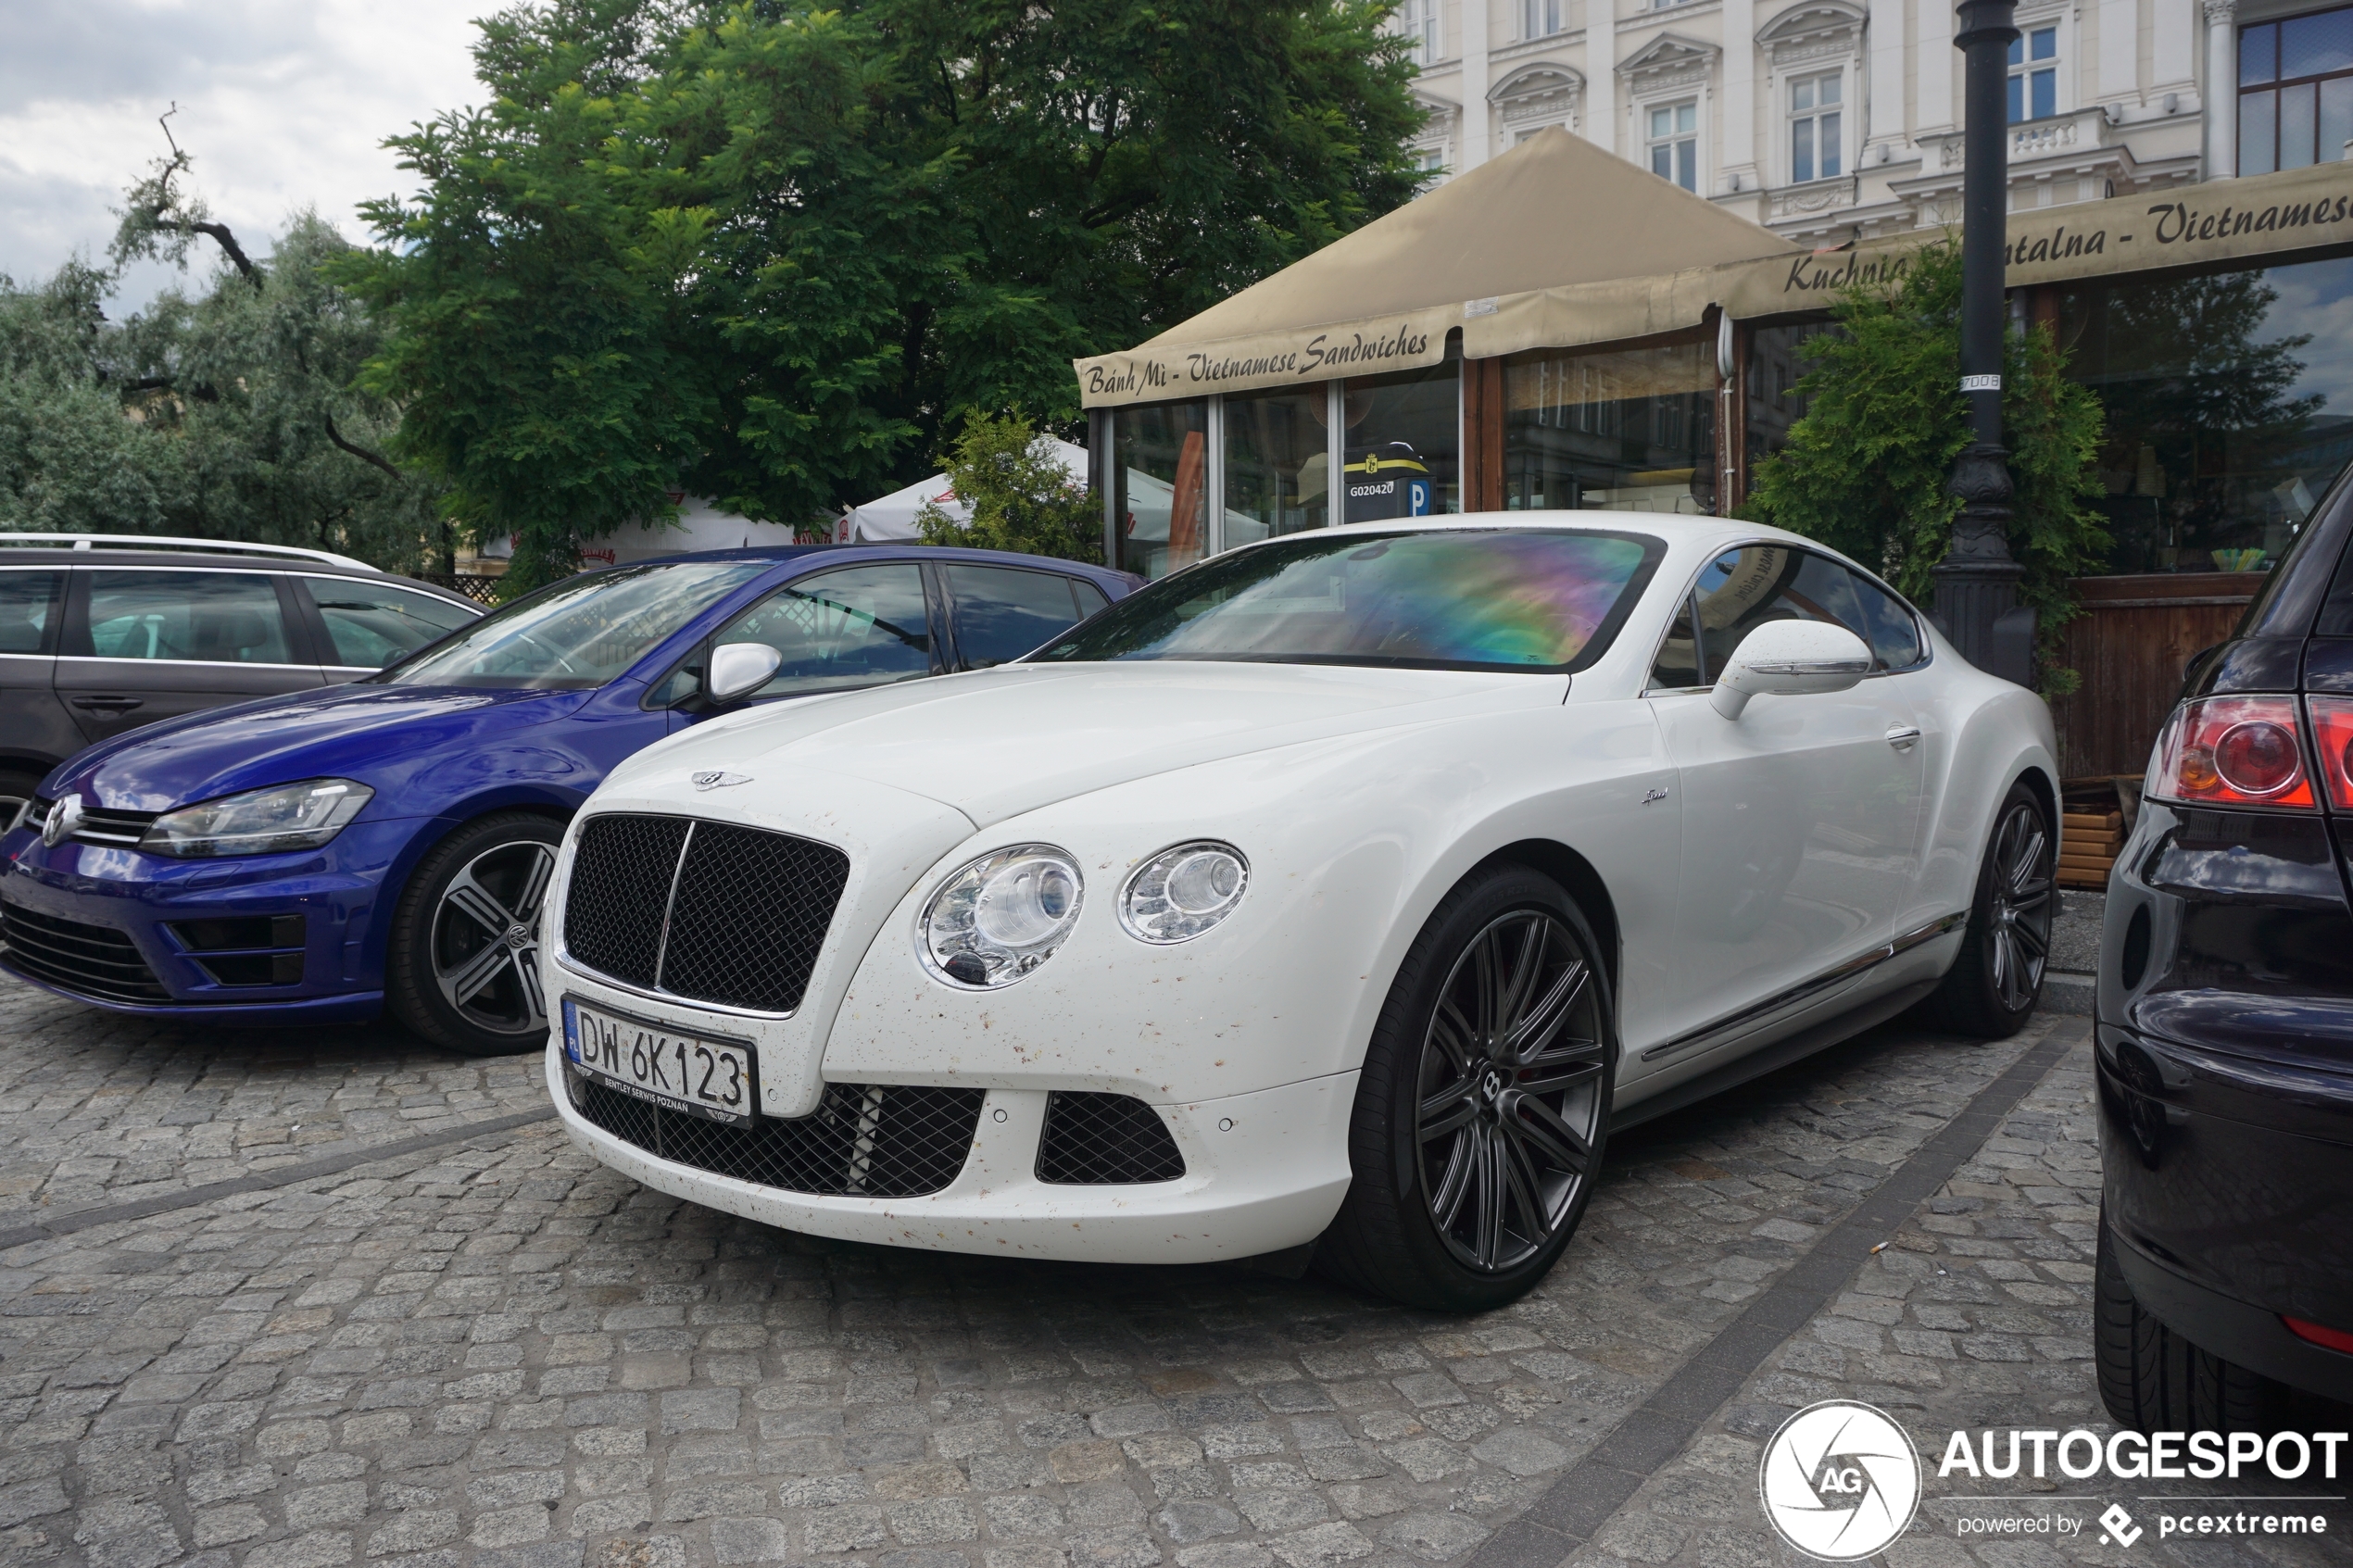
pixel 467 1344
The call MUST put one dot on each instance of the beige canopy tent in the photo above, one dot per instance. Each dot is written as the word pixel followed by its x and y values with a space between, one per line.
pixel 1560 245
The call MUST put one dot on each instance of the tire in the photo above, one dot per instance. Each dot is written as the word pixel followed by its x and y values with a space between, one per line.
pixel 1505 1125
pixel 1990 990
pixel 462 965
pixel 2153 1380
pixel 17 786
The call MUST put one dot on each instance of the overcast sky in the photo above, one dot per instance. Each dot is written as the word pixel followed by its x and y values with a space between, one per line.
pixel 283 102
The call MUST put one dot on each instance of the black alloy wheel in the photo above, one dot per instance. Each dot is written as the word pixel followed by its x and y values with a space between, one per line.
pixel 1483 1108
pixel 1992 987
pixel 464 961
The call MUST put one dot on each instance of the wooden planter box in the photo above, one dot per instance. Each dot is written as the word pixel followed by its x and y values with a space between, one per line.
pixel 2131 645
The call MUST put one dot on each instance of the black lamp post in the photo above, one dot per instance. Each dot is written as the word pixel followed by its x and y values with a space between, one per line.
pixel 1977 581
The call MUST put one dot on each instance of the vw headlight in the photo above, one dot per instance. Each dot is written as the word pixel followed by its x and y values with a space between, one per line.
pixel 259 821
pixel 1183 891
pixel 996 918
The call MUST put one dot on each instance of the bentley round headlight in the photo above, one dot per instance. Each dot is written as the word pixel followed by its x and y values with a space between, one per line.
pixel 1183 891
pixel 996 918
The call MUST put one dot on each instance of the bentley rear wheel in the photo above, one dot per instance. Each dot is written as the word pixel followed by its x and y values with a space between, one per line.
pixel 1484 1103
pixel 1992 987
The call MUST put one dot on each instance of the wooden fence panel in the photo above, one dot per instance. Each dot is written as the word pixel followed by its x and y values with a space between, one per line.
pixel 2131 645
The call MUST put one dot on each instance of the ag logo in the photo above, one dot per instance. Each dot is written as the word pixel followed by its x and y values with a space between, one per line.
pixel 1839 1480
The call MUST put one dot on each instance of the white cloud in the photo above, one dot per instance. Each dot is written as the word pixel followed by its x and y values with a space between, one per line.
pixel 283 102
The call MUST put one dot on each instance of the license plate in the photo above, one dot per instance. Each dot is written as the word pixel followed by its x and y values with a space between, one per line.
pixel 657 1062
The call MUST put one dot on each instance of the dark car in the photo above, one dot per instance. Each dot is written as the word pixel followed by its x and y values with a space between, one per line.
pixel 316 857
pixel 2226 1024
pixel 101 634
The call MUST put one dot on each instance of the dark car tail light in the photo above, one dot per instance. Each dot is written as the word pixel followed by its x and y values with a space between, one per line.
pixel 2333 738
pixel 2327 1338
pixel 2233 751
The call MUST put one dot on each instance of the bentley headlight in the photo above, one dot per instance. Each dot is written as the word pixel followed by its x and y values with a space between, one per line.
pixel 1000 917
pixel 259 821
pixel 1183 891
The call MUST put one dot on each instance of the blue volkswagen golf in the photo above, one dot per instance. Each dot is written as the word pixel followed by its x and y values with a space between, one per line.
pixel 385 845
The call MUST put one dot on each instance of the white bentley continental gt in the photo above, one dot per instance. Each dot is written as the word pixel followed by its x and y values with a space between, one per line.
pixel 1343 891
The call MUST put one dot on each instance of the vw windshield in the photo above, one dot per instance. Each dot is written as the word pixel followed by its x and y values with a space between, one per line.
pixel 578 634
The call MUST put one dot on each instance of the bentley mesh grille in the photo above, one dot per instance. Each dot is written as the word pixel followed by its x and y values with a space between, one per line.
pixel 90 960
pixel 1104 1140
pixel 702 910
pixel 861 1141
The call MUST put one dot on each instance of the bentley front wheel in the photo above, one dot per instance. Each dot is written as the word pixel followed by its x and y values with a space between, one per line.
pixel 1484 1102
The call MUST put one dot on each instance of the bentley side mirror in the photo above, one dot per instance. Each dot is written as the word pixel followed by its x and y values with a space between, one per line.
pixel 1790 658
pixel 740 668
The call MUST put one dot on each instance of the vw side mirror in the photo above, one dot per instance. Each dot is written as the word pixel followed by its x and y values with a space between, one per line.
pixel 1790 658
pixel 740 668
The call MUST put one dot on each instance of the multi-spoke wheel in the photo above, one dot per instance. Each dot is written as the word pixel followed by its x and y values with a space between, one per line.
pixel 1484 1102
pixel 463 965
pixel 1510 1091
pixel 1993 985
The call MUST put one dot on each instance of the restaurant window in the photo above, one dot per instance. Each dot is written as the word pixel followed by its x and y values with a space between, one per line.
pixel 1542 19
pixel 2229 406
pixel 1277 463
pixel 1776 362
pixel 1160 486
pixel 2034 74
pixel 2295 91
pixel 1814 121
pixel 1404 443
pixel 1622 430
pixel 1674 143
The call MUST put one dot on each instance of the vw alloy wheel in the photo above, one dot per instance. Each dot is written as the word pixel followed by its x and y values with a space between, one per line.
pixel 485 939
pixel 1509 1098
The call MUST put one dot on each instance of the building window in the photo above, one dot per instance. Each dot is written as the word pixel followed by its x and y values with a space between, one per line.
pixel 1419 19
pixel 1431 162
pixel 2295 91
pixel 2034 74
pixel 1814 119
pixel 1541 18
pixel 1674 143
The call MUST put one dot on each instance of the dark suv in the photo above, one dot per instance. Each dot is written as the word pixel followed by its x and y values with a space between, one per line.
pixel 100 634
pixel 2226 1024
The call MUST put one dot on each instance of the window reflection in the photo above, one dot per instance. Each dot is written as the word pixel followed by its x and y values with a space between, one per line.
pixel 1629 430
pixel 1404 440
pixel 1275 463
pixel 1160 486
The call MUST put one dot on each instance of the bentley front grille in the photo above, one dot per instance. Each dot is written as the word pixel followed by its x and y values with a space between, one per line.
pixel 701 911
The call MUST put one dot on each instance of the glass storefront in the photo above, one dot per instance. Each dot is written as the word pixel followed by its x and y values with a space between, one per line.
pixel 2230 408
pixel 1160 486
pixel 1774 369
pixel 1278 461
pixel 1624 430
pixel 1405 444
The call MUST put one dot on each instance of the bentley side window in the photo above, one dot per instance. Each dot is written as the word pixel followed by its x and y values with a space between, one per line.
pixel 1888 626
pixel 1677 666
pixel 1742 589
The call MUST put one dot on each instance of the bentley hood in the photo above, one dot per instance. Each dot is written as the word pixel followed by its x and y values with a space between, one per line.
pixel 997 743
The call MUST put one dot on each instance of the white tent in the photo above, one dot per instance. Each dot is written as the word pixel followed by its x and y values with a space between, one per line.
pixel 701 526
pixel 893 516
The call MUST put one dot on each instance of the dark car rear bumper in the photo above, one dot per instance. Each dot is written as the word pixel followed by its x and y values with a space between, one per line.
pixel 2228 1185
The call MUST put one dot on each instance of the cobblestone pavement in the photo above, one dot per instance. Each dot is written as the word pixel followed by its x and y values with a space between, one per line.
pixel 496 1352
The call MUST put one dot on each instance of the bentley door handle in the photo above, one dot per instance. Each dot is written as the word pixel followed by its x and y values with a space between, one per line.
pixel 1901 736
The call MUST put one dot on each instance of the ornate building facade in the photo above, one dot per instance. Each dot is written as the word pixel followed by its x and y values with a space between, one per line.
pixel 1833 120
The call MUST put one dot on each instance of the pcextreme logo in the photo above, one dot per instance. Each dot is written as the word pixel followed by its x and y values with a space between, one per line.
pixel 1839 1480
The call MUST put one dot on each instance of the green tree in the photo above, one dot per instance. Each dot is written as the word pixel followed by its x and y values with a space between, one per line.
pixel 1022 498
pixel 774 253
pixel 1864 469
pixel 226 413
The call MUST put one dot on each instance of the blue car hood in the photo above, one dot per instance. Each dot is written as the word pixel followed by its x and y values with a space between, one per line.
pixel 379 735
